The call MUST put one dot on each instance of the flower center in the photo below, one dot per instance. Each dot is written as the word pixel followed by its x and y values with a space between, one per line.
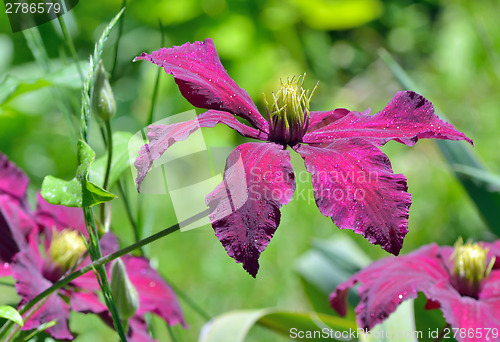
pixel 288 115
pixel 470 267
pixel 65 250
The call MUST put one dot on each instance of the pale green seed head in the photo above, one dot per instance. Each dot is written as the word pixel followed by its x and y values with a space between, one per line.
pixel 66 248
pixel 470 266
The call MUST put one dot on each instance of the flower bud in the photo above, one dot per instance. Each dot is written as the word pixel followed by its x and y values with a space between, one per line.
pixel 103 100
pixel 470 267
pixel 124 293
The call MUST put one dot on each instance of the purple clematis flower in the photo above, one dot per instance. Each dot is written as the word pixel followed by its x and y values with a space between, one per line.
pixel 15 216
pixel 352 179
pixel 464 282
pixel 58 230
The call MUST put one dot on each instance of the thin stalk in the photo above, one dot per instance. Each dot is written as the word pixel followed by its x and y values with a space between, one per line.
pixel 109 142
pixel 171 333
pixel 100 262
pixel 71 46
pixel 117 45
pixel 157 81
pixel 6 284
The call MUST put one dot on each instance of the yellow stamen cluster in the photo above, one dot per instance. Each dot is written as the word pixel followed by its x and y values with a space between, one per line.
pixel 289 111
pixel 66 248
pixel 470 267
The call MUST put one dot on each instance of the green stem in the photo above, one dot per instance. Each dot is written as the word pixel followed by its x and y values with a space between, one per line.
pixel 128 210
pixel 71 46
pixel 171 333
pixel 120 31
pixel 157 81
pixel 100 262
pixel 109 142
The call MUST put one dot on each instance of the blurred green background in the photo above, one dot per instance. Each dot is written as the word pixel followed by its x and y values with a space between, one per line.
pixel 450 49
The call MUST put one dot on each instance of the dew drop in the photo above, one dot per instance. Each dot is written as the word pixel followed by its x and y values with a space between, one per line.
pixel 152 284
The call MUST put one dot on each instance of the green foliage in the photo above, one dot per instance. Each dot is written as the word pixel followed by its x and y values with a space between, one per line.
pixel 78 192
pixel 120 162
pixel 234 326
pixel 10 313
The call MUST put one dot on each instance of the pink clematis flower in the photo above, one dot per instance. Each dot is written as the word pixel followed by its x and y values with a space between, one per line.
pixel 58 230
pixel 352 179
pixel 464 282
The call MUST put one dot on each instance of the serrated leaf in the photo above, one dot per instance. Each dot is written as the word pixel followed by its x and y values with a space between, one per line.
pixel 120 161
pixel 8 312
pixel 234 326
pixel 78 192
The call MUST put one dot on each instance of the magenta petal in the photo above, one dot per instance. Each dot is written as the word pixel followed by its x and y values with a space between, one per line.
pixel 155 295
pixel 244 208
pixel 407 118
pixel 15 226
pixel 27 273
pixel 13 181
pixel 466 313
pixel 162 137
pixel 354 185
pixel 86 302
pixel 491 287
pixel 204 82
pixel 318 120
pixel 58 216
pixel 388 282
pixel 138 330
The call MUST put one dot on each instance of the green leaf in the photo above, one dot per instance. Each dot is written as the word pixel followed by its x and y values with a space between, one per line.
pixel 40 329
pixel 8 312
pixel 328 264
pixel 78 192
pixel 235 325
pixel 489 181
pixel 399 327
pixel 458 156
pixel 16 83
pixel 119 163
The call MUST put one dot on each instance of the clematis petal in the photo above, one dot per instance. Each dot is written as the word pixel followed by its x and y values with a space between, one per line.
pixel 86 302
pixel 388 282
pixel 58 216
pixel 491 287
pixel 244 208
pixel 138 330
pixel 407 118
pixel 204 82
pixel 467 313
pixel 354 184
pixel 26 270
pixel 155 295
pixel 15 226
pixel 13 181
pixel 162 137
pixel 318 120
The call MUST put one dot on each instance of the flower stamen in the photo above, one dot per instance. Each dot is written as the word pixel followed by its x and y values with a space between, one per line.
pixel 288 115
pixel 470 268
